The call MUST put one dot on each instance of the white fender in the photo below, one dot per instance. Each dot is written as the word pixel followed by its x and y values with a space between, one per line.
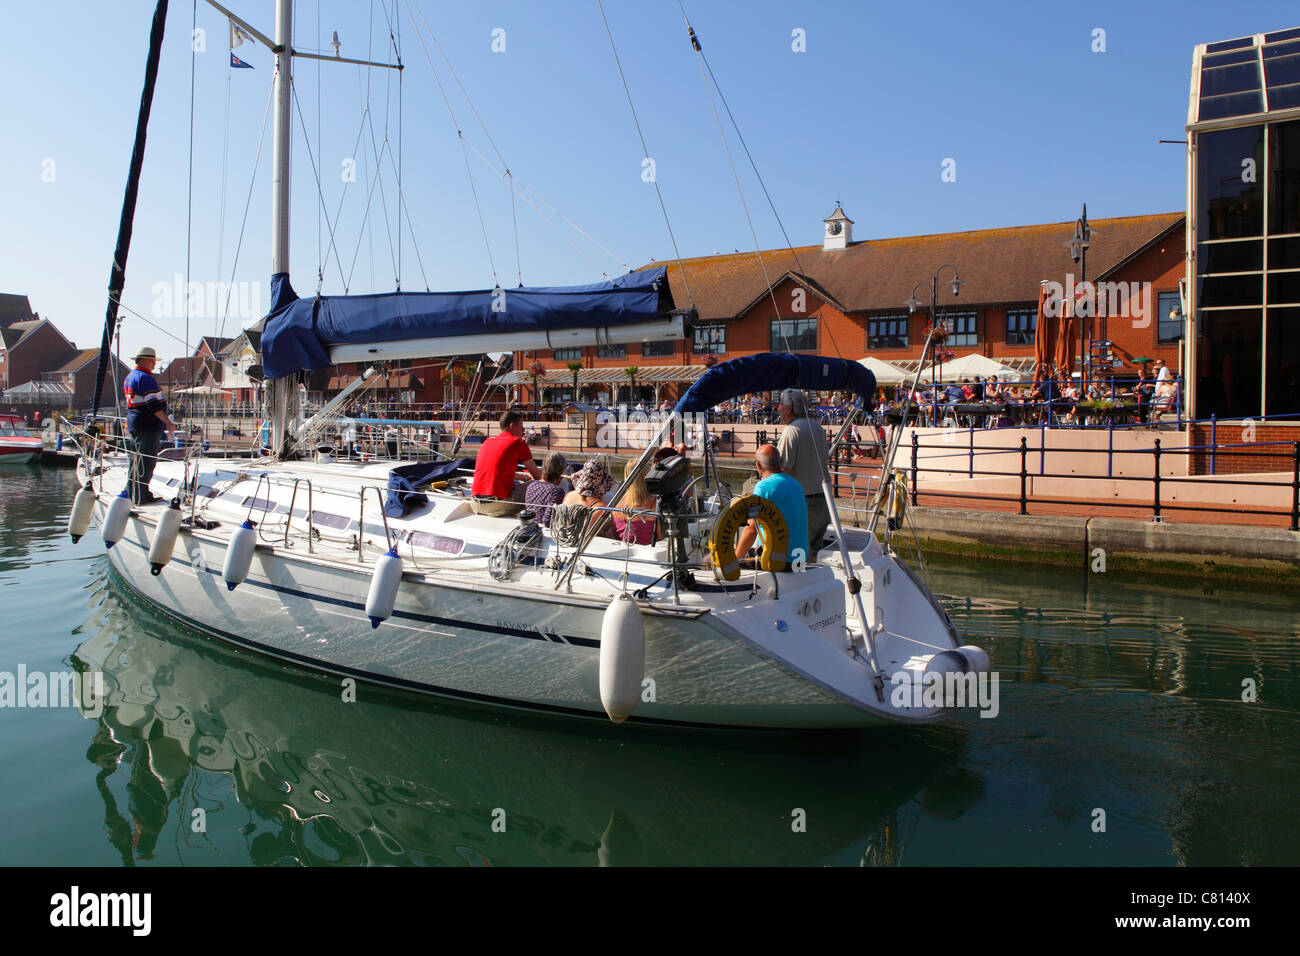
pixel 976 657
pixel 383 587
pixel 164 538
pixel 115 521
pixel 83 506
pixel 622 658
pixel 239 555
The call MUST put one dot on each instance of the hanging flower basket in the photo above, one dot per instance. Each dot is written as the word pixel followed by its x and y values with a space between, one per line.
pixel 939 331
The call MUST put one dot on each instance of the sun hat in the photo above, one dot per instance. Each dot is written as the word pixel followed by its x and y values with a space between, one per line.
pixel 592 480
pixel 146 352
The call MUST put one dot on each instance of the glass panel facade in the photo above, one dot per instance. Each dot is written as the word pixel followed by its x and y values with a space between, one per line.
pixel 1283 179
pixel 1282 397
pixel 1022 326
pixel 1218 291
pixel 1238 256
pixel 887 332
pixel 794 335
pixel 1230 183
pixel 1228 360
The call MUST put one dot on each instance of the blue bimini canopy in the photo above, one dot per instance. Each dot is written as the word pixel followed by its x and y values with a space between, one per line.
pixel 773 371
pixel 299 332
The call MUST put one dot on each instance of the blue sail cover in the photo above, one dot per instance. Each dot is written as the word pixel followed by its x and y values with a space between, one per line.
pixel 299 332
pixel 772 371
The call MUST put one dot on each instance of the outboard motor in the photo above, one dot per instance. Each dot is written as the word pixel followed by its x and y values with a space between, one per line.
pixel 667 477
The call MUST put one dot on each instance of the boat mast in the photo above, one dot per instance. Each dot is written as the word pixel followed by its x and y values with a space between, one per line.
pixel 282 139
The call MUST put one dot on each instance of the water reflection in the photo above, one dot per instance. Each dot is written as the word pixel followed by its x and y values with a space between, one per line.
pixel 282 772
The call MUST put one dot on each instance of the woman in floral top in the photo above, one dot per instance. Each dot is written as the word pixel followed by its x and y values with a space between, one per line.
pixel 544 493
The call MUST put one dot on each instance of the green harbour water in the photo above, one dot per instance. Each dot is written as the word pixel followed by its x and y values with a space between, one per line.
pixel 1117 694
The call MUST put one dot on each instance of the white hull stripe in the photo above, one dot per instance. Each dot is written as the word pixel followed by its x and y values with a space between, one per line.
pixel 406 615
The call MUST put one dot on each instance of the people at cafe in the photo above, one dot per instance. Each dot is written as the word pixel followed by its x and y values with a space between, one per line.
pixel 803 451
pixel 1166 396
pixel 495 491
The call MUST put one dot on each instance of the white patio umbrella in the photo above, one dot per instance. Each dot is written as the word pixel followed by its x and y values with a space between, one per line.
pixel 974 366
pixel 885 373
pixel 202 390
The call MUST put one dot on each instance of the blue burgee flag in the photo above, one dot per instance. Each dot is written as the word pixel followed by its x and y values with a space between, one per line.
pixel 237 64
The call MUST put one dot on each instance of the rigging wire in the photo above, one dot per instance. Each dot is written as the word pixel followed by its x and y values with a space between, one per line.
pixel 320 192
pixel 483 126
pixel 189 188
pixel 705 65
pixel 461 137
pixel 225 167
pixel 248 202
pixel 645 151
pixel 516 185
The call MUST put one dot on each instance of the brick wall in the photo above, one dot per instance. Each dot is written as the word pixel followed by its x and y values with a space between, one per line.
pixel 1252 447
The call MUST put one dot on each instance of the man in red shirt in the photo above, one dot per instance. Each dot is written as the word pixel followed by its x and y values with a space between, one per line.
pixel 494 471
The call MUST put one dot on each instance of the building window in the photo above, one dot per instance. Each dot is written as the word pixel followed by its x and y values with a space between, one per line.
pixel 568 355
pixel 611 351
pixel 1022 326
pixel 710 339
pixel 657 349
pixel 794 335
pixel 887 332
pixel 961 327
pixel 1170 311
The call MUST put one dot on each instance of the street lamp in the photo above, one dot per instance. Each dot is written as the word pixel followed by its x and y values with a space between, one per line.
pixel 1079 244
pixel 913 303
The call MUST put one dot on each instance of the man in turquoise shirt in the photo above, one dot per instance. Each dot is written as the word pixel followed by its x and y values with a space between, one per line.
pixel 788 496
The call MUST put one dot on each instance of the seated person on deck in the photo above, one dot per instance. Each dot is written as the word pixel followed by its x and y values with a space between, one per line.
pixel 494 470
pixel 787 494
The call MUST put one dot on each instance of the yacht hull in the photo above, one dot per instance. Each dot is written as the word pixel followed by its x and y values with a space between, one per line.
pixel 503 646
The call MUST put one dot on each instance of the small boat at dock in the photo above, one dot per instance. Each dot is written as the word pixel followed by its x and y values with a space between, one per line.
pixel 18 446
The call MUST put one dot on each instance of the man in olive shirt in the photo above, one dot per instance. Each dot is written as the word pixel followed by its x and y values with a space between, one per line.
pixel 803 454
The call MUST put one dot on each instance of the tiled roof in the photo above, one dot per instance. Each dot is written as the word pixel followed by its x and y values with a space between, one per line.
pixel 996 266
pixel 184 372
pixel 14 308
pixel 79 360
pixel 216 342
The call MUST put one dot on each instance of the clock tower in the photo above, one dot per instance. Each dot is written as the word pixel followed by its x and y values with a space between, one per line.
pixel 839 230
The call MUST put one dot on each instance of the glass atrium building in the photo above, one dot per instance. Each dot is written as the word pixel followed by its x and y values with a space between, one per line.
pixel 1243 235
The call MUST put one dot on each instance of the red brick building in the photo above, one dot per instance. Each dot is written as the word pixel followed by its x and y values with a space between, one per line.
pixel 78 374
pixel 29 348
pixel 850 299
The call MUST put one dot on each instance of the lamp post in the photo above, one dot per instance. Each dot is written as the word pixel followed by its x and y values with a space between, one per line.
pixel 1079 244
pixel 913 302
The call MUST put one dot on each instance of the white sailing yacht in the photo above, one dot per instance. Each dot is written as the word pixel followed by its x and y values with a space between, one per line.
pixel 351 568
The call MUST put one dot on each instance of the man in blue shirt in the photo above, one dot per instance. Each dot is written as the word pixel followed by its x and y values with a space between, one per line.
pixel 146 417
pixel 788 496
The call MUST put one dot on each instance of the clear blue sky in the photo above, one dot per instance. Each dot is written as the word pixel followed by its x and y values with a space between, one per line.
pixel 1036 121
